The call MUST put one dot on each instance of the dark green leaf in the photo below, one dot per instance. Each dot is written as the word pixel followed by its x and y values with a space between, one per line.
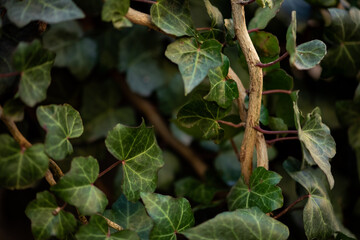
pixel 114 11
pixel 264 115
pixel 277 124
pixel 130 216
pixel 278 79
pixel 228 167
pixel 61 123
pixel 214 13
pixel 35 64
pixel 44 223
pixel 140 155
pixel 170 215
pixel 264 15
pixel 20 167
pixel 97 229
pixel 267 46
pixel 14 110
pixel 249 224
pixel 262 192
pixel 173 17
pixel 77 186
pixel 195 190
pixel 341 236
pixel 194 60
pixel 222 90
pixel 22 12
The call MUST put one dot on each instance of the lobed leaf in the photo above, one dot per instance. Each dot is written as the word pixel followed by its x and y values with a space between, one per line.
pixel 264 15
pixel 214 13
pixel 194 190
pixel 114 11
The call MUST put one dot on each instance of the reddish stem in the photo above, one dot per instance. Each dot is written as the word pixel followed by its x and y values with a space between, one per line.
pixel 253 30
pixel 242 124
pixel 235 149
pixel 109 168
pixel 258 128
pixel 276 91
pixel 5 75
pixel 145 1
pixel 281 139
pixel 264 65
pixel 291 205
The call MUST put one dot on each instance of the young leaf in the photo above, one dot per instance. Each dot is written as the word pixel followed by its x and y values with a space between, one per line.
pixel 214 13
pixel 264 15
pixel 202 116
pixel 61 123
pixel 194 190
pixel 44 223
pixel 114 11
pixel 173 17
pixel 23 12
pixel 19 167
pixel 250 224
pixel 170 215
pixel 98 229
pixel 222 90
pixel 35 64
pixel 140 155
pixel 194 60
pixel 130 216
pixel 77 186
pixel 262 192
pixel 263 3
pixel 317 144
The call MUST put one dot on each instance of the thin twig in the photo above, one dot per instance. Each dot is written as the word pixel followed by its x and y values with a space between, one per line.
pixel 242 124
pixel 264 65
pixel 291 205
pixel 55 168
pixel 233 144
pixel 258 128
pixel 270 142
pixel 145 1
pixel 112 224
pixel 253 30
pixel 11 74
pixel 109 168
pixel 277 91
pixel 204 29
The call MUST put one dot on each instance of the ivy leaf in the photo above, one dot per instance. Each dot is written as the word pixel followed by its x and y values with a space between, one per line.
pixel 76 187
pixel 35 64
pixel 317 144
pixel 264 15
pixel 173 17
pixel 262 192
pixel 98 229
pixel 306 55
pixel 194 60
pixel 343 38
pixel 73 51
pixel 140 155
pixel 44 223
pixel 195 190
pixel 214 13
pixel 222 90
pixel 14 109
pixel 247 224
pixel 130 216
pixel 267 46
pixel 264 3
pixel 22 12
pixel 319 218
pixel 170 215
pixel 61 123
pixel 19 167
pixel 202 116
pixel 114 11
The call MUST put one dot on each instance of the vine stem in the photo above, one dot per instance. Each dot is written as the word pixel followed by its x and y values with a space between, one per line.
pixel 281 139
pixel 253 30
pixel 112 224
pixel 264 65
pixel 11 74
pixel 233 144
pixel 109 168
pixel 145 1
pixel 258 128
pixel 242 124
pixel 291 205
pixel 277 91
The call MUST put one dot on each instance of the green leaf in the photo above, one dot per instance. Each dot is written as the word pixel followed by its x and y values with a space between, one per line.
pixel 202 116
pixel 14 109
pixel 267 46
pixel 73 51
pixel 35 64
pixel 19 167
pixel 173 17
pixel 262 192
pixel 317 144
pixel 97 229
pixel 214 13
pixel 264 3
pixel 323 3
pixel 222 90
pixel 318 216
pixel 114 11
pixel 23 12
pixel 196 191
pixel 77 186
pixel 264 15
pixel 44 223
pixel 130 216
pixel 170 215
pixel 343 38
pixel 278 79
pixel 61 122
pixel 291 35
pixel 140 155
pixel 249 224
pixel 194 60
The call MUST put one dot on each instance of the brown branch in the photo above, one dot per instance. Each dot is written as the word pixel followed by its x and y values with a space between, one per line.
pixel 256 85
pixel 55 168
pixel 112 224
pixel 235 149
pixel 291 205
pixel 261 151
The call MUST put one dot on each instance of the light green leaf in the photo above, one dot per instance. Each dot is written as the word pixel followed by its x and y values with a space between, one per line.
pixel 249 224
pixel 140 155
pixel 61 123
pixel 317 144
pixel 214 13
pixel 44 223
pixel 170 215
pixel 265 3
pixel 202 116
pixel 194 190
pixel 77 186
pixel 264 15
pixel 194 60
pixel 114 11
pixel 97 229
pixel 173 17
pixel 22 12
pixel 291 35
pixel 262 192
pixel 222 90
pixel 20 167
pixel 35 64
pixel 130 216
